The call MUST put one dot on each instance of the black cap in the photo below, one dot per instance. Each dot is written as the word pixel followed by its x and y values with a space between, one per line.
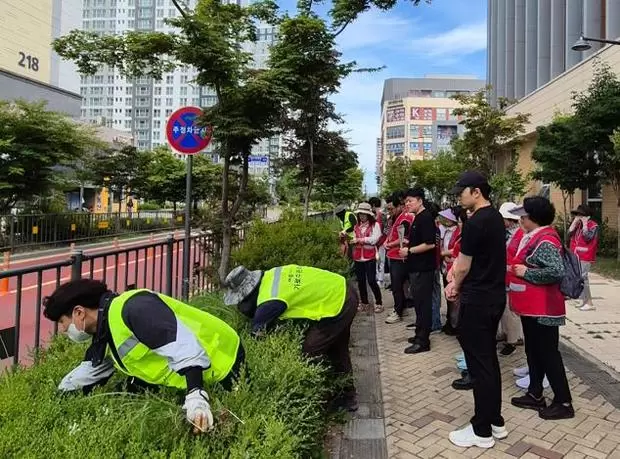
pixel 582 211
pixel 467 179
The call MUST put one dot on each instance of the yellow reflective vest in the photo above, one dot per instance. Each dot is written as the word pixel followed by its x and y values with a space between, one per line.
pixel 309 293
pixel 219 340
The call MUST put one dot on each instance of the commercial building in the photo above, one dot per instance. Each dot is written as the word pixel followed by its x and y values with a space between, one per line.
pixel 29 68
pixel 417 119
pixel 143 105
pixel 529 41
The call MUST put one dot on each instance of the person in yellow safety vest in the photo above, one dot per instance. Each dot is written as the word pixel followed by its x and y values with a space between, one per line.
pixel 301 293
pixel 347 220
pixel 154 339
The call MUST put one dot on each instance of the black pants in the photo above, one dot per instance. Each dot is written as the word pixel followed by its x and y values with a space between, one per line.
pixel 328 339
pixel 450 306
pixel 398 277
pixel 235 371
pixel 421 285
pixel 366 271
pixel 544 358
pixel 477 331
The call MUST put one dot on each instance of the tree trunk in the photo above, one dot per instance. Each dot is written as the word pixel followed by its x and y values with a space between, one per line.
pixel 308 191
pixel 564 199
pixel 618 223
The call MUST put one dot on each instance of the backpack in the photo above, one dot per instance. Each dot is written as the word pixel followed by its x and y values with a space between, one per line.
pixel 572 284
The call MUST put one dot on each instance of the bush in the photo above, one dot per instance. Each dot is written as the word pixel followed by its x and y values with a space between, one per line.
pixel 280 411
pixel 608 242
pixel 292 241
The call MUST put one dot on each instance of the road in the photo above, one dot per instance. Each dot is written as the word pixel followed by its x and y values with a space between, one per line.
pixel 142 267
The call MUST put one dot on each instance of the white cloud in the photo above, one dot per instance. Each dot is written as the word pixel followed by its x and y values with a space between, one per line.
pixel 374 28
pixel 462 40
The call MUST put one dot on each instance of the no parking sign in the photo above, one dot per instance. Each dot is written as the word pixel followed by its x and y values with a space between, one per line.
pixel 183 133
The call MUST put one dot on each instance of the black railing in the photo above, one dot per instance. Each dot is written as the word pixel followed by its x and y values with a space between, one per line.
pixel 156 266
pixel 25 231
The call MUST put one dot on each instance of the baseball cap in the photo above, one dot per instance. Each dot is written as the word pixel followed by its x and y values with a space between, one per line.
pixel 469 179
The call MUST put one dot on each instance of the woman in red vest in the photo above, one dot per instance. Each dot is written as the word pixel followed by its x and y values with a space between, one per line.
pixel 451 236
pixel 584 235
pixel 534 275
pixel 367 233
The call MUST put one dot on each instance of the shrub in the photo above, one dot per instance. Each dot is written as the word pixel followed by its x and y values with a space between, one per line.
pixel 292 241
pixel 280 411
pixel 608 241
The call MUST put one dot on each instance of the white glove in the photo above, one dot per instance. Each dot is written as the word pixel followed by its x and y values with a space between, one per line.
pixel 198 410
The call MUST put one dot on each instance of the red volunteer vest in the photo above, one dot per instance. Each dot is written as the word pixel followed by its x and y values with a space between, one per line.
pixel 585 251
pixel 511 249
pixel 392 253
pixel 452 245
pixel 364 251
pixel 379 219
pixel 533 300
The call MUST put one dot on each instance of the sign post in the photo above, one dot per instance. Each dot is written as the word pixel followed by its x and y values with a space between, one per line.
pixel 185 136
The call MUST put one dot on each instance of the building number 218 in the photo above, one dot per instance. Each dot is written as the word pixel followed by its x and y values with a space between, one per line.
pixel 29 62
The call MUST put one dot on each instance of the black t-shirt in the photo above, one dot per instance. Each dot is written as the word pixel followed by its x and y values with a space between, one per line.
pixel 422 231
pixel 484 239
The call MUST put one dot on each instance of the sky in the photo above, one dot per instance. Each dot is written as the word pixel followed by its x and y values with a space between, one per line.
pixel 443 37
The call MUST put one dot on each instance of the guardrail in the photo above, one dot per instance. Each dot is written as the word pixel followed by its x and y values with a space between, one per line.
pixel 155 265
pixel 27 231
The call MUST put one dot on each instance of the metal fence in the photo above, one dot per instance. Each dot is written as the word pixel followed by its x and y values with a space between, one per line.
pixel 25 231
pixel 155 265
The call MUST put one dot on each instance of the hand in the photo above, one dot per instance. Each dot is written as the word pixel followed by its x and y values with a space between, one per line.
pixel 452 292
pixel 519 270
pixel 403 252
pixel 198 411
pixel 450 275
pixel 584 221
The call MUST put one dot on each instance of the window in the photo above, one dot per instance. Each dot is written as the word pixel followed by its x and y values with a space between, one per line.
pixel 452 115
pixel 168 112
pixel 156 113
pixel 160 24
pixel 172 13
pixel 169 90
pixel 414 146
pixel 183 101
pixel 160 13
pixel 427 147
pixel 427 131
pixel 184 88
pixel 127 124
pixel 170 79
pixel 157 124
pixel 131 24
pixel 160 2
pixel 184 80
pixel 439 94
pixel 209 101
pixel 157 101
pixel 128 112
pixel 395 132
pixel 396 149
pixel 144 24
pixel 196 101
pixel 157 91
pixel 128 101
pixel 169 101
pixel 128 90
pixel 428 114
pixel 441 114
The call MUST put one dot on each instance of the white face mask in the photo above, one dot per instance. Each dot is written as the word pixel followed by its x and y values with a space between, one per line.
pixel 78 336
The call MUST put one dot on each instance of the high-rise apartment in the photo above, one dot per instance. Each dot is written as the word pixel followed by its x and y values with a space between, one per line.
pixel 143 105
pixel 529 41
pixel 417 119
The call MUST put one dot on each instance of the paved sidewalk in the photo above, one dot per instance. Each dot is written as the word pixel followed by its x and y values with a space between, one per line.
pixel 421 408
pixel 597 333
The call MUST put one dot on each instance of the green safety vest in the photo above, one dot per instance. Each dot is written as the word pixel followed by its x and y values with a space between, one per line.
pixel 346 225
pixel 309 293
pixel 219 340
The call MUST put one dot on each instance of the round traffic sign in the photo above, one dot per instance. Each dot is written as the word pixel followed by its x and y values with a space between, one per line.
pixel 183 133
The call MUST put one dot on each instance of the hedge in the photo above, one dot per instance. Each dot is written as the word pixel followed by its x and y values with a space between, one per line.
pixel 281 411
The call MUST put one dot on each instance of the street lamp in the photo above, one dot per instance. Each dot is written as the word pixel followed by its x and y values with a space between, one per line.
pixel 583 45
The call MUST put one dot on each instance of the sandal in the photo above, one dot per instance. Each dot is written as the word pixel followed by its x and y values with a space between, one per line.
pixel 378 308
pixel 361 307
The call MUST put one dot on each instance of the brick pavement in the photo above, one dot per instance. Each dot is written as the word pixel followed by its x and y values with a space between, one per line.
pixel 421 408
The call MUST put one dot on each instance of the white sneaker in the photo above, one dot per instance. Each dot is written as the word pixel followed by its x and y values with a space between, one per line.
pixel 393 318
pixel 406 312
pixel 466 437
pixel 521 372
pixel 587 307
pixel 499 433
pixel 524 383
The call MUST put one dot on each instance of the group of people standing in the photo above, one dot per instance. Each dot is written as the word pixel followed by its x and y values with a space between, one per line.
pixel 501 270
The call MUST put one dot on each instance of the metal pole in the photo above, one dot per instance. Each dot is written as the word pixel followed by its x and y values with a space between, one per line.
pixel 188 229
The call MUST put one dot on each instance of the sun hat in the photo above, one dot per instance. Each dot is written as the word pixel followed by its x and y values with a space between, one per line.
pixel 364 208
pixel 507 210
pixel 240 283
pixel 448 215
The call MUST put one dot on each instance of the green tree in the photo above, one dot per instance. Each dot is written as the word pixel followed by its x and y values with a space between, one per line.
pixel 561 158
pixel 35 146
pixel 164 178
pixel 437 175
pixel 347 189
pixel 491 137
pixel 397 176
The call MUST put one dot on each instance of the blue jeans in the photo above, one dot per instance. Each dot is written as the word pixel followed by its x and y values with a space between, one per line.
pixel 436 304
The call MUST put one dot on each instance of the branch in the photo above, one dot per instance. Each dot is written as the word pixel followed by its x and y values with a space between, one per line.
pixel 242 187
pixel 344 26
pixel 178 7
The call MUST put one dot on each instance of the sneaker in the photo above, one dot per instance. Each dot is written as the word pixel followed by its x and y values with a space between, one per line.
pixel 499 433
pixel 466 437
pixel 461 365
pixel 524 383
pixel 521 372
pixel 434 331
pixel 459 356
pixel 557 411
pixel 410 326
pixel 406 312
pixel 529 402
pixel 393 318
pixel 508 349
pixel 587 307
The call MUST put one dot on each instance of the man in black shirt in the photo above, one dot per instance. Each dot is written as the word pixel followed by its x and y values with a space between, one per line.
pixel 479 282
pixel 421 265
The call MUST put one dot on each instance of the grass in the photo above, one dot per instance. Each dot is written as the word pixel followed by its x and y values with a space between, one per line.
pixel 279 413
pixel 607 267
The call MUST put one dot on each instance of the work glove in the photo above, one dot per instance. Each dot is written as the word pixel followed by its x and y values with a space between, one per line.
pixel 198 410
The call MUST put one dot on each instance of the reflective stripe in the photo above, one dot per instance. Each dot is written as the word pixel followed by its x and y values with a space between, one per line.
pixel 517 287
pixel 275 285
pixel 127 346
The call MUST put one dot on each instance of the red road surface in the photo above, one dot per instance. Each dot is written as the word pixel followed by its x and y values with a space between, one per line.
pixel 146 268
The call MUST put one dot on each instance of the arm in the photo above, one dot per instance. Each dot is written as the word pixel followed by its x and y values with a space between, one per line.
pixel 154 324
pixel 266 315
pixel 590 234
pixel 549 265
pixel 352 223
pixel 428 230
pixel 573 226
pixel 374 236
pixel 86 376
pixel 460 270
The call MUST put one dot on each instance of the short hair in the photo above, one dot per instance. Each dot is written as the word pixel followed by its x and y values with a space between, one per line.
pixel 395 199
pixel 416 192
pixel 80 292
pixel 485 190
pixel 460 214
pixel 540 210
pixel 374 201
